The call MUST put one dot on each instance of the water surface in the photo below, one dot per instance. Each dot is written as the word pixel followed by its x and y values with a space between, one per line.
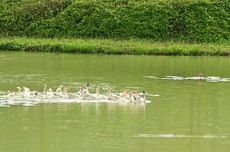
pixel 188 116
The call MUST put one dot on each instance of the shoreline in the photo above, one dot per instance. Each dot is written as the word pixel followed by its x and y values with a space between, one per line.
pixel 111 46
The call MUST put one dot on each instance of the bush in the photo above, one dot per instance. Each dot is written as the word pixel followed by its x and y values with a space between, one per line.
pixel 162 20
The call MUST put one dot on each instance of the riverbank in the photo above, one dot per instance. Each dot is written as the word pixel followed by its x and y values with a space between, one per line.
pixel 110 46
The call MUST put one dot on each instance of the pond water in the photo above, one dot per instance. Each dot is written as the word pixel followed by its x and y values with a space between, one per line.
pixel 188 116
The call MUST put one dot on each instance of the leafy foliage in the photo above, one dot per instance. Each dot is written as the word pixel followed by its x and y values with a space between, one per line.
pixel 162 20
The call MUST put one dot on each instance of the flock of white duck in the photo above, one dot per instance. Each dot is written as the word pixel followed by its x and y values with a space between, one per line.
pixel 24 96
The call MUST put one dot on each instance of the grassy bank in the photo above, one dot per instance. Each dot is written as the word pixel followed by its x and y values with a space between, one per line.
pixel 109 46
pixel 160 20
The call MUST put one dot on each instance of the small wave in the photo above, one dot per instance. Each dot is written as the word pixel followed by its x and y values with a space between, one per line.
pixel 178 136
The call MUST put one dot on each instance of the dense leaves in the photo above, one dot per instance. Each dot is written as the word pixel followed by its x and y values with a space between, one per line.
pixel 183 20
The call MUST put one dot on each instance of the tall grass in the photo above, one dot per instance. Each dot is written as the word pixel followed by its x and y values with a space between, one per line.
pixel 110 46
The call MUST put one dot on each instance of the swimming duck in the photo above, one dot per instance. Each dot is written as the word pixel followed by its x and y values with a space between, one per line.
pixel 79 93
pixel 125 96
pixel 112 96
pixel 44 89
pixel 65 92
pixel 201 76
pixel 137 98
pixel 26 92
pixel 86 89
pixel 97 95
pixel 50 93
pixel 19 90
pixel 59 89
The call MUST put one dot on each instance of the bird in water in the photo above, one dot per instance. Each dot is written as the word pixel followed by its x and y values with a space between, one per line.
pixel 86 89
pixel 125 96
pixel 143 99
pixel 62 92
pixel 201 76
pixel 44 89
pixel 112 96
pixel 19 90
pixel 86 94
pixel 97 95
pixel 79 93
pixel 50 93
pixel 59 89
pixel 65 92
pixel 13 94
pixel 26 92
pixel 136 97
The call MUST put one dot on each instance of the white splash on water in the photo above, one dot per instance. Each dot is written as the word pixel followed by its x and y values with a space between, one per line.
pixel 208 136
pixel 25 97
pixel 198 78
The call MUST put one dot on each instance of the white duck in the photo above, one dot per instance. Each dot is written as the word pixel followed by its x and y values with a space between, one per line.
pixel 59 89
pixel 97 95
pixel 26 92
pixel 112 96
pixel 19 92
pixel 125 96
pixel 85 90
pixel 136 97
pixel 44 89
pixel 142 100
pixel 50 93
pixel 65 92
pixel 79 93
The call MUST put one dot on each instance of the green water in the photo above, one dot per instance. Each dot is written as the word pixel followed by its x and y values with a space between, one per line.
pixel 188 116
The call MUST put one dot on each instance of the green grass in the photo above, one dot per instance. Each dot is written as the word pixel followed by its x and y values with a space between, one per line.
pixel 110 46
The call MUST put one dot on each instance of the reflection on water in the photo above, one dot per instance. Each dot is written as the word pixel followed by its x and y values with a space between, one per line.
pixel 188 116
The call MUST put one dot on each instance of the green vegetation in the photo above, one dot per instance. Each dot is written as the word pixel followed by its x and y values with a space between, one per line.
pixel 109 46
pixel 161 20
pixel 162 27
